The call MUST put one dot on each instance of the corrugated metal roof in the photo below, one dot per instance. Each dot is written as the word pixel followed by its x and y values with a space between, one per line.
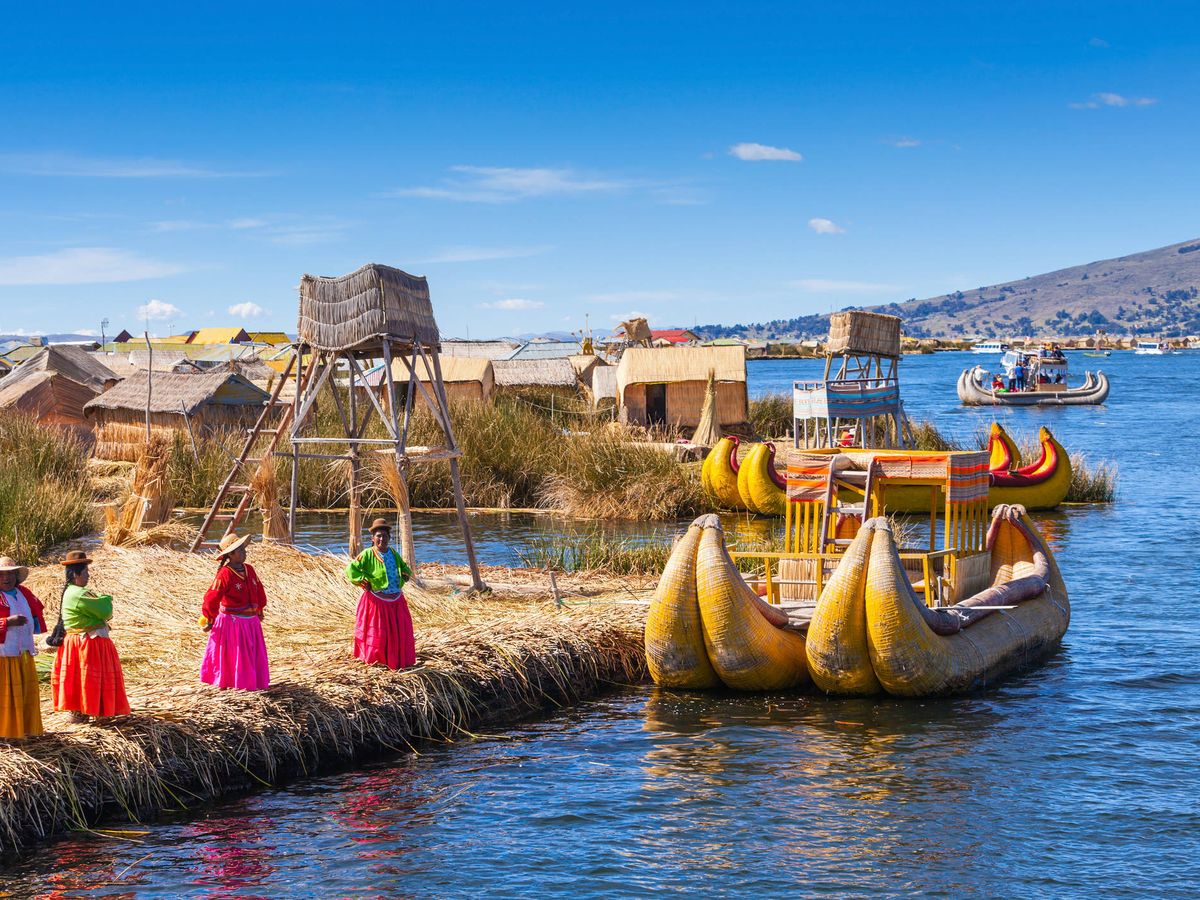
pixel 547 350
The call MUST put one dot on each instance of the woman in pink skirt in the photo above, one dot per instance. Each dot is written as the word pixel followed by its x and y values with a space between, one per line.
pixel 383 629
pixel 232 615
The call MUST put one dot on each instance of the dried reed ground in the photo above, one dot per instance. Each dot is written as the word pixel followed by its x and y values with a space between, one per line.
pixel 186 743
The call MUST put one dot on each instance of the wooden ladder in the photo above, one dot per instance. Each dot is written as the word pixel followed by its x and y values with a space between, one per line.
pixel 859 479
pixel 237 482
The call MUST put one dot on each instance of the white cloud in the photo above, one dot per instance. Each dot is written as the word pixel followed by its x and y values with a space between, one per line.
pixel 481 254
pixel 247 310
pixel 157 309
pixel 1107 98
pixel 513 304
pixel 241 224
pixel 904 142
pixel 825 226
pixel 83 265
pixel 490 184
pixel 834 286
pixel 1099 42
pixel 66 165
pixel 634 297
pixel 633 314
pixel 764 153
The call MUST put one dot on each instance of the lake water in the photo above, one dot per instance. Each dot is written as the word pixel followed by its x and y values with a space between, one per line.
pixel 1076 779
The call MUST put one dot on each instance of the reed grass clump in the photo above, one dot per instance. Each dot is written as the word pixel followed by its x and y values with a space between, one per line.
pixel 45 495
pixel 596 552
pixel 1092 482
pixel 771 415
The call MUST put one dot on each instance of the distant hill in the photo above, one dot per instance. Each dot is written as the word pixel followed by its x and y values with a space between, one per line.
pixel 52 338
pixel 1156 292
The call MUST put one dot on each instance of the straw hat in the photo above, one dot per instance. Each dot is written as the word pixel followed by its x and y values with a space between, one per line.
pixel 76 557
pixel 231 542
pixel 8 564
pixel 378 524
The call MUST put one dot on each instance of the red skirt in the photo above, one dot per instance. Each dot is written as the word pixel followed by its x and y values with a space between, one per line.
pixel 383 632
pixel 87 677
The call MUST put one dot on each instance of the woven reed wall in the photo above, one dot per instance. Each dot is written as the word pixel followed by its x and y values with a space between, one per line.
pixel 855 331
pixel 685 399
pixel 352 310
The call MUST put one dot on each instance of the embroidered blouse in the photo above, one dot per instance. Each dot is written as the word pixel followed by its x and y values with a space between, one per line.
pixel 238 595
pixel 386 573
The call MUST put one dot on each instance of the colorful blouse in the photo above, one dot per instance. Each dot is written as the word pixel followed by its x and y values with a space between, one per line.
pixel 238 595
pixel 11 605
pixel 387 573
pixel 85 610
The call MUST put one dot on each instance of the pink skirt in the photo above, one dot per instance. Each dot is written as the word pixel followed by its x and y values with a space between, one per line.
pixel 237 654
pixel 383 632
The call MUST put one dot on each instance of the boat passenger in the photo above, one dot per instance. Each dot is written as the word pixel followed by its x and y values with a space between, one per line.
pixel 383 629
pixel 87 679
pixel 1019 377
pixel 20 619
pixel 232 614
pixel 997 383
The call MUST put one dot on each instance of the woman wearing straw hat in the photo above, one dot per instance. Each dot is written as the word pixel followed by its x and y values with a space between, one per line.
pixel 383 629
pixel 87 679
pixel 233 609
pixel 20 619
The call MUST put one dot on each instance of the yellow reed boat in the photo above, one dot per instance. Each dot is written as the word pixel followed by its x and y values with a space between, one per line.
pixel 847 604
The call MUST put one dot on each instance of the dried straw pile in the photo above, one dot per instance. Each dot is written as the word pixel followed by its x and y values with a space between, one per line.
pixel 188 743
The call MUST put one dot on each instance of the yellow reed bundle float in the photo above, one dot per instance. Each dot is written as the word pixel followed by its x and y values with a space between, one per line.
pixel 747 644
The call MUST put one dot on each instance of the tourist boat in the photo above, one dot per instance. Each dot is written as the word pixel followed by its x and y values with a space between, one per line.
pixel 1153 348
pixel 755 485
pixel 850 606
pixel 974 388
pixel 989 347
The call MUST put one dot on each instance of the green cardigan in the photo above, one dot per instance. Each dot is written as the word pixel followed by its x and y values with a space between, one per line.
pixel 83 609
pixel 369 567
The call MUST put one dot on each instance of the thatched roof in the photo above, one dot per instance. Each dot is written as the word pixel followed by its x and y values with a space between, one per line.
pixel 74 363
pixel 350 311
pixel 498 349
pixel 172 393
pixel 652 365
pixel 48 396
pixel 163 361
pixel 534 372
pixel 455 369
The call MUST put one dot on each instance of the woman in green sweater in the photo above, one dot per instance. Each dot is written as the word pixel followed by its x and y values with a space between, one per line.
pixel 383 629
pixel 87 678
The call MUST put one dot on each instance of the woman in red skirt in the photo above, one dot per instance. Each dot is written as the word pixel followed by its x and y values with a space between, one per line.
pixel 87 678
pixel 383 629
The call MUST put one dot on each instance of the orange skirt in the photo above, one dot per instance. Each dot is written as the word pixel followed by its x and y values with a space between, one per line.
pixel 87 677
pixel 20 706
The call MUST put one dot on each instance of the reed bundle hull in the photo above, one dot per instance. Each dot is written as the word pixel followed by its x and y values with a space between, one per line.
pixel 1093 391
pixel 904 649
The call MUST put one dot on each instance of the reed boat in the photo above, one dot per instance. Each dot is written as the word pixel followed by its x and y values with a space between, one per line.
pixel 1042 484
pixel 980 597
pixel 762 488
pixel 973 391
pixel 719 473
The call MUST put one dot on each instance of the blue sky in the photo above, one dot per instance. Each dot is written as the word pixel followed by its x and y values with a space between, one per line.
pixel 692 162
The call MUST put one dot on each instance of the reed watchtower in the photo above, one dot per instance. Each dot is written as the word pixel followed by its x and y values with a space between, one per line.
pixel 376 319
pixel 858 400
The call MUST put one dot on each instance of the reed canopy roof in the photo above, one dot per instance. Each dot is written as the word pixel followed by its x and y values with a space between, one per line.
pixel 666 365
pixel 556 372
pixel 74 363
pixel 171 393
pixel 455 370
pixel 353 310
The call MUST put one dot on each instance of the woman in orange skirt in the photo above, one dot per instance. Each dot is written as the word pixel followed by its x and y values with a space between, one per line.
pixel 20 619
pixel 87 678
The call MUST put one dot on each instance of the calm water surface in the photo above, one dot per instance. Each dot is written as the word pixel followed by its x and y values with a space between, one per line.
pixel 1077 779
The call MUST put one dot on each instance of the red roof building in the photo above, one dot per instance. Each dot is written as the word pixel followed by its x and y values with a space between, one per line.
pixel 673 336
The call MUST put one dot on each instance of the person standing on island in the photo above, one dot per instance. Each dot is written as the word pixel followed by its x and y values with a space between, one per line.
pixel 236 656
pixel 87 679
pixel 383 629
pixel 20 619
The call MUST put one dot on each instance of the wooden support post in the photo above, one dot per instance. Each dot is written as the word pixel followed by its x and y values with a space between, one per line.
pixel 296 425
pixel 149 380
pixel 355 525
pixel 403 507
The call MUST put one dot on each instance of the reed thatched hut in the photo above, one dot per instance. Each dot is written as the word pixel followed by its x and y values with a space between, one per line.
pixel 585 364
pixel 55 384
pixel 466 378
pixel 201 404
pixel 665 386
pixel 555 375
